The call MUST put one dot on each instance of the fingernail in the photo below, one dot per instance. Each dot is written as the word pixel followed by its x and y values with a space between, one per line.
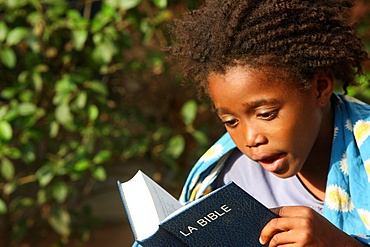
pixel 261 241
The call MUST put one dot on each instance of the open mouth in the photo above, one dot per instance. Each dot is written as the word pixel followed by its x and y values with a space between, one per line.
pixel 272 163
pixel 271 159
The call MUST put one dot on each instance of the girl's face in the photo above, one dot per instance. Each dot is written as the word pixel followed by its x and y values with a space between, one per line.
pixel 270 119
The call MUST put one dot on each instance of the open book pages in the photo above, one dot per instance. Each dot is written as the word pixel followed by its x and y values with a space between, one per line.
pixel 147 204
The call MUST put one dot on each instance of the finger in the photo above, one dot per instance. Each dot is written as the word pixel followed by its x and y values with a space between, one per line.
pixel 279 225
pixel 286 239
pixel 281 239
pixel 293 211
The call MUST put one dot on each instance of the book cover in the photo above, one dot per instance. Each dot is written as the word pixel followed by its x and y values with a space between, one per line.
pixel 228 216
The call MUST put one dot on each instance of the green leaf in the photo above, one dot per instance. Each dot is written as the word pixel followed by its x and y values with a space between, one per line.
pixel 13 153
pixel 3 207
pixel 129 4
pixel 54 129
pixel 6 131
pixel 82 165
pixel 63 114
pixel 8 57
pixel 27 202
pixel 11 115
pixel 44 175
pixel 7 169
pixel 200 137
pixel 12 4
pixel 102 156
pixel 189 112
pixel 79 38
pixel 26 109
pixel 93 112
pixel 176 146
pixel 103 53
pixel 9 188
pixel 160 3
pixel 99 173
pixel 41 196
pixel 60 192
pixel 111 3
pixel 3 31
pixel 81 100
pixel 61 221
pixel 37 81
pixel 97 86
pixel 16 35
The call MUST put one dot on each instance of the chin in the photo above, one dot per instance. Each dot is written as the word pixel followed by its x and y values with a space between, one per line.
pixel 283 175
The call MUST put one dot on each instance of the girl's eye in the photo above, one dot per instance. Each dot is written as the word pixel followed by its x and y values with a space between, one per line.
pixel 268 115
pixel 230 123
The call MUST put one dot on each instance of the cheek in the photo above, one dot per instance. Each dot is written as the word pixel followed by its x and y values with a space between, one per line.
pixel 305 130
pixel 237 137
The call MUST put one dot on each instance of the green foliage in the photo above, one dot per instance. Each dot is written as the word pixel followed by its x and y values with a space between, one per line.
pixel 65 118
pixel 362 91
pixel 84 86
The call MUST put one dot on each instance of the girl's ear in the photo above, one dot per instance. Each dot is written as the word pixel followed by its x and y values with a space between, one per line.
pixel 324 85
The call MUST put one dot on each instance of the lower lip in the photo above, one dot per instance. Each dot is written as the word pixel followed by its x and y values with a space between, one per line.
pixel 273 166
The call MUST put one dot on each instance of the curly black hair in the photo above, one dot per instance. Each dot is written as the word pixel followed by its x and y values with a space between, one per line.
pixel 302 37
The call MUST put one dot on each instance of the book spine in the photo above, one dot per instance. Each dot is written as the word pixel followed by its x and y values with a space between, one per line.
pixel 126 208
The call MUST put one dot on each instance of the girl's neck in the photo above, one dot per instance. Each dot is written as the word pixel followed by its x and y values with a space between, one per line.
pixel 315 170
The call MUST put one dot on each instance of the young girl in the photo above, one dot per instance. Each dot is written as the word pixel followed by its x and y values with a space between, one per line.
pixel 270 68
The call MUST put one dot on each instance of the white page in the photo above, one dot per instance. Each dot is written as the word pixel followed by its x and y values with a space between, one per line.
pixel 148 204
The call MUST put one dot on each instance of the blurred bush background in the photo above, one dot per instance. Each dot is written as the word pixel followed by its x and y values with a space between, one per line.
pixel 87 97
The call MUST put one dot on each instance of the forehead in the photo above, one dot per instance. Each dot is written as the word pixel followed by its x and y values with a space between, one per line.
pixel 256 75
pixel 245 85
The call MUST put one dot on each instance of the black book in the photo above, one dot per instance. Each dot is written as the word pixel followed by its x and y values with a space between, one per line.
pixel 228 216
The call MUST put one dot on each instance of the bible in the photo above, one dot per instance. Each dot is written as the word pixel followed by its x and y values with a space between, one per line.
pixel 228 216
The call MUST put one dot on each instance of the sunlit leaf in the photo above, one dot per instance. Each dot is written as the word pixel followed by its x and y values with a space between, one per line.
pixel 160 3
pixel 97 86
pixel 93 112
pixel 176 146
pixel 189 112
pixel 7 169
pixel 63 114
pixel 6 131
pixel 3 207
pixel 8 57
pixel 41 196
pixel 104 52
pixel 82 165
pixel 60 192
pixel 102 156
pixel 81 100
pixel 54 129
pixel 129 4
pixel 16 35
pixel 60 221
pixel 37 81
pixel 200 137
pixel 44 175
pixel 13 153
pixel 3 31
pixel 79 38
pixel 27 108
pixel 9 188
pixel 99 173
